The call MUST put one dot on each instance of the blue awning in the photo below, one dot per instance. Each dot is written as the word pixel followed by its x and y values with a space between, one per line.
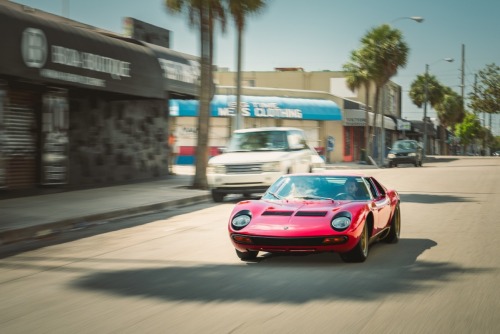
pixel 262 107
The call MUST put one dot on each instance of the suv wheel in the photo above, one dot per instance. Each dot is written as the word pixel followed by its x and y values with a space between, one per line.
pixel 217 196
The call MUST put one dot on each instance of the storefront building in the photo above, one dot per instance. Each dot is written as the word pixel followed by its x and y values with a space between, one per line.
pixel 320 118
pixel 80 108
pixel 352 102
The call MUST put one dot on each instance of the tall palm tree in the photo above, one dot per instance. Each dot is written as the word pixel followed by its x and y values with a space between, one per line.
pixel 450 111
pixel 386 51
pixel 357 75
pixel 239 10
pixel 202 14
pixel 426 89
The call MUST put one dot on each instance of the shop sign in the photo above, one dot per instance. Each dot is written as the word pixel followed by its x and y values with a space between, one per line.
pixel 260 109
pixel 35 50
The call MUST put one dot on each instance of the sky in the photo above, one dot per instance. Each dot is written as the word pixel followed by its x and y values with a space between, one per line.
pixel 320 35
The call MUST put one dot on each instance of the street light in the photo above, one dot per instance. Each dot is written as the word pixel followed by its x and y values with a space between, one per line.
pixel 426 90
pixel 418 19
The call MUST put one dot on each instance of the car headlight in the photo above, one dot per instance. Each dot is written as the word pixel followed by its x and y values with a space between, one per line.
pixel 216 169
pixel 241 219
pixel 412 154
pixel 341 221
pixel 391 155
pixel 274 166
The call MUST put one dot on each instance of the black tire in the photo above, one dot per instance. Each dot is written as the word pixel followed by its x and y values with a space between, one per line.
pixel 217 196
pixel 395 229
pixel 360 252
pixel 247 256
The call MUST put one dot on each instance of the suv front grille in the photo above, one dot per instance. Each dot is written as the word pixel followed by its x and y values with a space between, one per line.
pixel 244 169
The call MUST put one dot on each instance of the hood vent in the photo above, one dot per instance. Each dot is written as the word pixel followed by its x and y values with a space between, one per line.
pixel 311 213
pixel 277 213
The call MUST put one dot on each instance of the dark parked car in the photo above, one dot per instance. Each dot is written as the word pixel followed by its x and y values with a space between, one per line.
pixel 405 152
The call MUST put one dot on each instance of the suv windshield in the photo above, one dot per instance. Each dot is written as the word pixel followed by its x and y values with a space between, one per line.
pixel 404 145
pixel 258 141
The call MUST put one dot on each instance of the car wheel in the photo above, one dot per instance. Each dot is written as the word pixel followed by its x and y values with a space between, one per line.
pixel 217 196
pixel 360 252
pixel 247 256
pixel 395 228
pixel 390 164
pixel 415 163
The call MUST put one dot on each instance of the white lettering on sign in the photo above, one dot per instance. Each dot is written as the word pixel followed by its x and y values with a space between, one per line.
pixel 74 58
pixel 189 73
pixel 269 110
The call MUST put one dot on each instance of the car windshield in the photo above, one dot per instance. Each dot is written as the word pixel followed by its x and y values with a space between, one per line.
pixel 403 145
pixel 318 187
pixel 258 141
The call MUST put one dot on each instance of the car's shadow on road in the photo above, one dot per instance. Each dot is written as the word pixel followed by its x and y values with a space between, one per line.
pixel 390 269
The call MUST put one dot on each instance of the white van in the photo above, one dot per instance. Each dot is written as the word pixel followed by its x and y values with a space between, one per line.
pixel 256 157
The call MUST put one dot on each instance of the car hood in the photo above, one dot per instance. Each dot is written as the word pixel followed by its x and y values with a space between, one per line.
pixel 298 218
pixel 250 156
pixel 402 151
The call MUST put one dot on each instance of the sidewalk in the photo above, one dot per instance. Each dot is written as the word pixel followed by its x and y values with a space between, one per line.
pixel 37 216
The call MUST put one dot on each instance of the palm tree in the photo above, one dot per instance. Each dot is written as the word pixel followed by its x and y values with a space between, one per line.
pixel 450 111
pixel 434 95
pixel 357 75
pixel 202 14
pixel 239 10
pixel 385 50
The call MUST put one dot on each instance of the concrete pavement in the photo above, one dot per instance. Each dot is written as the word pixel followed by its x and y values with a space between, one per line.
pixel 32 217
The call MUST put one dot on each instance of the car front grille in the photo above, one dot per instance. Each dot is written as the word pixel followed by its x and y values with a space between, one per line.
pixel 244 169
pixel 270 241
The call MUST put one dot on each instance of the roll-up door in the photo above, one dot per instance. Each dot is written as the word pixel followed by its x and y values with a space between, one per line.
pixel 20 140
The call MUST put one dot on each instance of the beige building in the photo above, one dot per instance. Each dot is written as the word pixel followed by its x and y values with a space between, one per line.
pixel 330 85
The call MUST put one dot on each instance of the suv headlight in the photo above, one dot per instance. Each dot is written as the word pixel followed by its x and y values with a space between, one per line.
pixel 391 155
pixel 274 166
pixel 216 169
pixel 413 154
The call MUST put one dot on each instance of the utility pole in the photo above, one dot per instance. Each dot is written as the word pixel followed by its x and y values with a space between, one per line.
pixel 426 92
pixel 462 81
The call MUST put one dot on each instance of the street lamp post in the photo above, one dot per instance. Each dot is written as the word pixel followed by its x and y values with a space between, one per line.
pixel 418 19
pixel 426 95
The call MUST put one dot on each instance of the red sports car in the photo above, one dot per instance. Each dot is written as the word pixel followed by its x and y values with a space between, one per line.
pixel 317 212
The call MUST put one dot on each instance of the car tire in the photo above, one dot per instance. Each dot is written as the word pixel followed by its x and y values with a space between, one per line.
pixel 360 252
pixel 247 256
pixel 217 196
pixel 395 229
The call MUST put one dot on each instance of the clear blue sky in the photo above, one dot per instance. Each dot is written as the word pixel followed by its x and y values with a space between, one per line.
pixel 320 34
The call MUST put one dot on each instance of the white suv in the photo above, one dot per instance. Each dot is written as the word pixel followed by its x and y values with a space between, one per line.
pixel 256 157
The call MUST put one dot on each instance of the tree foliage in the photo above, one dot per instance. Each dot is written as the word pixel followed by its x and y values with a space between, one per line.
pixel 486 94
pixel 435 90
pixel 469 129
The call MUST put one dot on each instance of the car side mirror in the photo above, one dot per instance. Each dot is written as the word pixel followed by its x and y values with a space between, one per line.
pixel 222 150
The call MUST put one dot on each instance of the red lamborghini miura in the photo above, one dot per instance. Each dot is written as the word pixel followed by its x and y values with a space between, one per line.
pixel 318 212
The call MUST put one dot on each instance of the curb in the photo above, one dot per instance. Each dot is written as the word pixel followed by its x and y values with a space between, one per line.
pixel 75 223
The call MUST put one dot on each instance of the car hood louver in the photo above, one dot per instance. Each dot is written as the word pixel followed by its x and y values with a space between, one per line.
pixel 298 213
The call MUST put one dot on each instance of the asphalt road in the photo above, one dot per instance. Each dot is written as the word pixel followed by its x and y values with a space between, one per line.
pixel 176 271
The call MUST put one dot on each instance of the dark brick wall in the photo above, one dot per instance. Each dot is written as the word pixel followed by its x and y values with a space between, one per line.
pixel 116 142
